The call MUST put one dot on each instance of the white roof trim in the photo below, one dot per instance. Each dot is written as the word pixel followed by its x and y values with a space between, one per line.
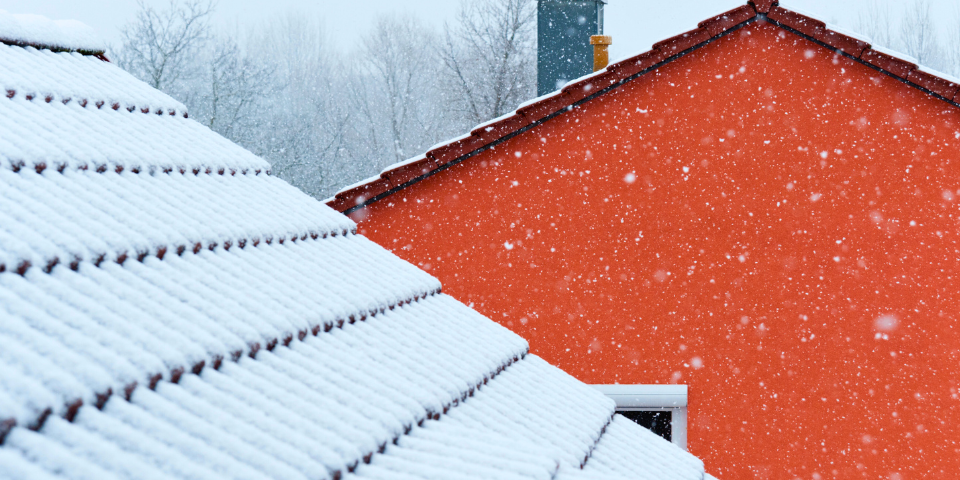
pixel 646 396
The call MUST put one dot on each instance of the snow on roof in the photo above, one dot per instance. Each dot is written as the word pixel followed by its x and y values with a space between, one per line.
pixel 41 32
pixel 895 54
pixel 624 450
pixel 575 92
pixel 170 310
pixel 939 74
pixel 72 78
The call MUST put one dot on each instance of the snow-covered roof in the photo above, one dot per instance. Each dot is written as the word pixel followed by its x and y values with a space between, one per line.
pixel 531 113
pixel 170 310
pixel 41 32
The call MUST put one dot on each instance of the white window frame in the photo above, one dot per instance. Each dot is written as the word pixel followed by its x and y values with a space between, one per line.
pixel 654 398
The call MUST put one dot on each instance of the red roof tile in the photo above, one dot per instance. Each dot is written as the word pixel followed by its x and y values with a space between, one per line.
pixel 801 23
pixel 638 63
pixel 682 42
pixel 445 154
pixel 494 131
pixel 818 30
pixel 727 20
pixel 763 6
pixel 935 84
pixel 550 105
pixel 895 66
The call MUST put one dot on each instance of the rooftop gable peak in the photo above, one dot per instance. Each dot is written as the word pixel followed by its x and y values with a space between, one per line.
pixel 579 91
pixel 763 6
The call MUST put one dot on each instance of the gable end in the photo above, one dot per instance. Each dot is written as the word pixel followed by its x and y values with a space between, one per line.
pixel 584 89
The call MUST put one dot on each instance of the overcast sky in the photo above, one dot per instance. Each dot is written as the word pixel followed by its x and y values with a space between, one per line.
pixel 634 24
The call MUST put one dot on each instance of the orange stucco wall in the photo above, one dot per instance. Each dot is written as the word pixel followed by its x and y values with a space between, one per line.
pixel 770 223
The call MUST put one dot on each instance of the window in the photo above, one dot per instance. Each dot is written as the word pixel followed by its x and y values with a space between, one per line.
pixel 660 408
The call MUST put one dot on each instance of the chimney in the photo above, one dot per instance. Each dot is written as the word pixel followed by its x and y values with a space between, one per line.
pixel 601 56
pixel 564 50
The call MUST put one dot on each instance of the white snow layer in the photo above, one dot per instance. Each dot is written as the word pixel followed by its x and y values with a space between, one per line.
pixel 26 29
pixel 631 452
pixel 166 312
pixel 67 77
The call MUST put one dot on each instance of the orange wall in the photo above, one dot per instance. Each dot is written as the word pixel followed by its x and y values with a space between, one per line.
pixel 747 220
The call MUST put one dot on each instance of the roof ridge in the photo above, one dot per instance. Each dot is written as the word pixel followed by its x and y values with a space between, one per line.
pixel 864 53
pixel 83 102
pixel 593 447
pixel 532 113
pixel 17 166
pixel 24 265
pixel 216 361
pixel 176 374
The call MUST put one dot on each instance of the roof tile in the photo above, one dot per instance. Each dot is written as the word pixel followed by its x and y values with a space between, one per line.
pixel 445 154
pixel 844 43
pixel 727 20
pixel 577 91
pixel 888 63
pixel 935 84
pixel 537 111
pixel 818 30
pixel 497 130
pixel 408 171
pixel 359 194
pixel 682 42
pixel 801 23
pixel 639 63
pixel 763 6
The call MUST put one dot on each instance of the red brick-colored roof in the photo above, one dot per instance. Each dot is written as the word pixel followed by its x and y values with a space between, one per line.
pixel 485 136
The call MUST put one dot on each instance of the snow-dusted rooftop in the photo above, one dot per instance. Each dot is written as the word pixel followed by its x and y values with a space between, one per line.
pixel 41 32
pixel 170 310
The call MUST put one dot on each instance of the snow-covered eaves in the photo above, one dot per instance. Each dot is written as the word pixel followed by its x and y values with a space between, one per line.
pixel 42 33
pixel 618 456
pixel 72 79
pixel 581 90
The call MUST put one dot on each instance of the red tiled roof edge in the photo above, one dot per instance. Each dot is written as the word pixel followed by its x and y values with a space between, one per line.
pixel 585 89
pixel 101 54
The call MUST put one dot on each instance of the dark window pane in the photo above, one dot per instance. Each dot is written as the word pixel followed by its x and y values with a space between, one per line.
pixel 657 422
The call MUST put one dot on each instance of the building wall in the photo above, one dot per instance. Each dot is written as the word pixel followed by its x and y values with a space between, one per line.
pixel 766 221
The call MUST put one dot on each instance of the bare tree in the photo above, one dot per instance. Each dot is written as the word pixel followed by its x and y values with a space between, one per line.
pixel 918 34
pixel 490 57
pixel 158 47
pixel 226 96
pixel 394 89
pixel 952 50
pixel 875 22
pixel 283 92
pixel 304 129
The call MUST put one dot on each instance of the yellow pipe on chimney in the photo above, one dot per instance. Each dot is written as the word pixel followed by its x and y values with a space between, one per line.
pixel 601 56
